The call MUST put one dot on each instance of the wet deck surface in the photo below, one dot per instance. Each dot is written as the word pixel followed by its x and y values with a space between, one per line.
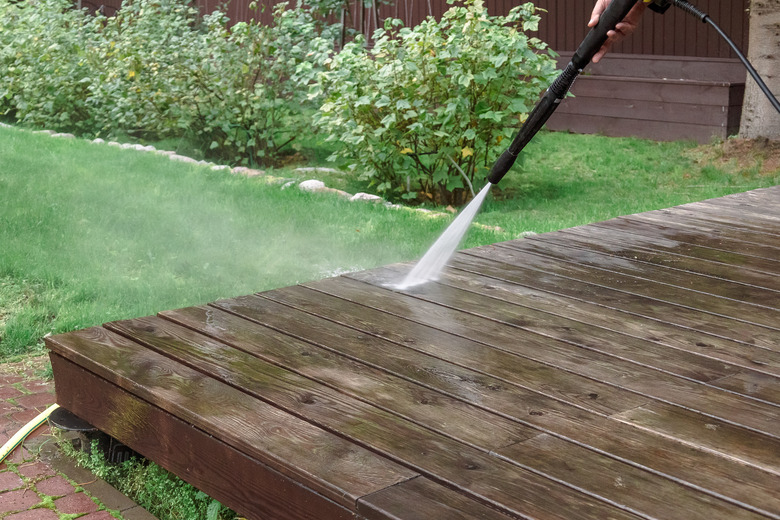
pixel 621 370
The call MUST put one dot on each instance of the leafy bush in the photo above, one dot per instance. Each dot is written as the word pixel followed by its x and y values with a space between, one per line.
pixel 157 69
pixel 426 109
pixel 44 64
pixel 249 98
pixel 143 60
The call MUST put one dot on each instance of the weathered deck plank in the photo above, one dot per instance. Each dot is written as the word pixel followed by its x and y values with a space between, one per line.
pixel 570 422
pixel 738 300
pixel 542 276
pixel 690 220
pixel 720 306
pixel 628 369
pixel 733 267
pixel 499 324
pixel 503 485
pixel 705 244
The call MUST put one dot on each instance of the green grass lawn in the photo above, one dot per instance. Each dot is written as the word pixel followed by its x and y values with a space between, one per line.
pixel 91 233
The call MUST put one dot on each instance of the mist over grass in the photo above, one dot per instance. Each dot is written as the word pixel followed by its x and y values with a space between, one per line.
pixel 93 233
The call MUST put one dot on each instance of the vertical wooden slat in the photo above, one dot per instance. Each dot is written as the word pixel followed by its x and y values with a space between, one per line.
pixel 563 26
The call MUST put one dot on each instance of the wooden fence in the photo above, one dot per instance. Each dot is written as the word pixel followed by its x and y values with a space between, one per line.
pixel 674 78
pixel 563 26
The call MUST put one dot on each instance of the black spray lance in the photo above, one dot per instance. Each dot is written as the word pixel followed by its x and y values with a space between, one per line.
pixel 612 15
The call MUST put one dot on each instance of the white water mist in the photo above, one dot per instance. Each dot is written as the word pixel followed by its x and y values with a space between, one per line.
pixel 432 263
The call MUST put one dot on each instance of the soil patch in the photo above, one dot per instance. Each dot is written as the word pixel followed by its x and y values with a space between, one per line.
pixel 760 154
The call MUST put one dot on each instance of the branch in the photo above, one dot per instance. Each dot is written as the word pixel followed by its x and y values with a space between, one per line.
pixel 471 188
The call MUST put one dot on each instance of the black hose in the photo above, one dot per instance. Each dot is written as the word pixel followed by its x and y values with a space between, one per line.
pixel 691 9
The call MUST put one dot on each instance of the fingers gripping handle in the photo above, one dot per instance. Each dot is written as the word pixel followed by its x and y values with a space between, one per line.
pixel 596 37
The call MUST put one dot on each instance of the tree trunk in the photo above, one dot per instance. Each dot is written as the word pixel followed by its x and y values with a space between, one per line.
pixel 759 118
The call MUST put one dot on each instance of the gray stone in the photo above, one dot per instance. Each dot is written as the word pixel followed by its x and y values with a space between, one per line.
pixel 183 158
pixel 312 185
pixel 366 197
pixel 247 172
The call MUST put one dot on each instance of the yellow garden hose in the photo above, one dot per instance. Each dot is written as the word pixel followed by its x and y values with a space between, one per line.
pixel 22 434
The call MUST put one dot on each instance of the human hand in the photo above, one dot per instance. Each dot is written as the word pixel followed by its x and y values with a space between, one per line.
pixel 622 29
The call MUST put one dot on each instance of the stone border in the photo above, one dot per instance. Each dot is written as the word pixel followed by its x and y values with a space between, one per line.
pixel 310 185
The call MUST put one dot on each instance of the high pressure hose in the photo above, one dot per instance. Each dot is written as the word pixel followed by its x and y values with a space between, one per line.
pixel 614 13
pixel 705 18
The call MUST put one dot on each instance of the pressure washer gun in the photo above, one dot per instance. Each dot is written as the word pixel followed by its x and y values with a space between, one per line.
pixel 614 13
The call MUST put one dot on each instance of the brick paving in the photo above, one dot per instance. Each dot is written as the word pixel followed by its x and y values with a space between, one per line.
pixel 36 482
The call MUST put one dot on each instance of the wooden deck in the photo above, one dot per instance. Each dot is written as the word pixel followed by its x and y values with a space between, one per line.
pixel 628 369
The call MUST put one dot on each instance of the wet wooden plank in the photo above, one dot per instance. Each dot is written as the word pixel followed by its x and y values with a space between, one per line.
pixel 142 327
pixel 675 241
pixel 691 220
pixel 176 445
pixel 738 481
pixel 513 254
pixel 618 481
pixel 707 433
pixel 509 328
pixel 757 219
pixel 251 426
pixel 505 486
pixel 733 220
pixel 707 243
pixel 763 198
pixel 627 246
pixel 743 301
pixel 657 344
pixel 754 384
pixel 550 278
pixel 766 210
pixel 422 499
pixel 762 201
pixel 649 341
pixel 471 366
pixel 441 413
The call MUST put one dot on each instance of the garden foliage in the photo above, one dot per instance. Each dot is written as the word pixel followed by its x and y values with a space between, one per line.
pixel 421 113
pixel 157 69
pixel 428 107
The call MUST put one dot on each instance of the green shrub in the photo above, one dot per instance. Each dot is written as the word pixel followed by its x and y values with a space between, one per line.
pixel 143 61
pixel 158 70
pixel 45 64
pixel 427 108
pixel 249 99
